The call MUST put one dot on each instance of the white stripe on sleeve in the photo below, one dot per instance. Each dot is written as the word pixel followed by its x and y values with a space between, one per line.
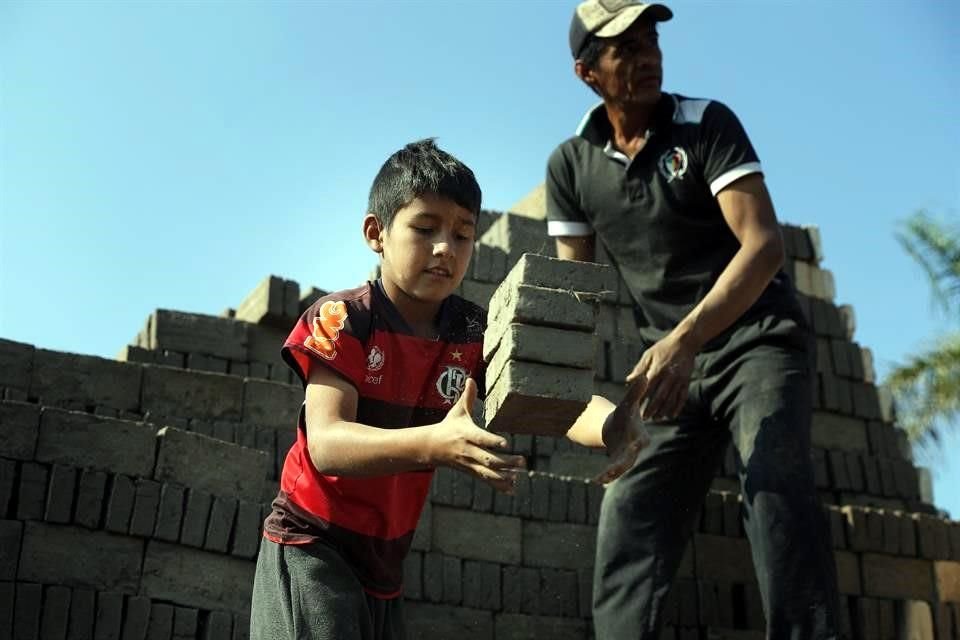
pixel 734 174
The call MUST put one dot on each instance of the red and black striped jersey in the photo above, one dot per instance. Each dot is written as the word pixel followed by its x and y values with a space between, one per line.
pixel 402 381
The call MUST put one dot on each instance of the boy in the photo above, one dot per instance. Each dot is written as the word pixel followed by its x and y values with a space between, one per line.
pixel 389 371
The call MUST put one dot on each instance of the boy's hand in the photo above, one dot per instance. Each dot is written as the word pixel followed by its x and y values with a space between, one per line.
pixel 624 436
pixel 459 443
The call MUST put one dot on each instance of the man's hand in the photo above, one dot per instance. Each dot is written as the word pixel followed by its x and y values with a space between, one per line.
pixel 457 442
pixel 662 377
pixel 624 436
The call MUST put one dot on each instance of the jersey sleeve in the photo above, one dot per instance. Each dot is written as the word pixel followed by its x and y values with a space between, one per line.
pixel 324 336
pixel 727 152
pixel 564 215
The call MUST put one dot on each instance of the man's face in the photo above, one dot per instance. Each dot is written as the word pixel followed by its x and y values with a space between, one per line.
pixel 630 70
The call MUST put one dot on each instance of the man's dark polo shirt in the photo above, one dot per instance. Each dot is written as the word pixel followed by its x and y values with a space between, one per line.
pixel 657 216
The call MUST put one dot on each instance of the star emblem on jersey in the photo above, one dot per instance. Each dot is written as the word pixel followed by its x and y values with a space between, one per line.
pixel 457 355
pixel 450 383
pixel 673 164
pixel 375 359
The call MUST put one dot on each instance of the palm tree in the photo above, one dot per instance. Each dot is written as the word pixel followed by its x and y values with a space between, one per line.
pixel 927 386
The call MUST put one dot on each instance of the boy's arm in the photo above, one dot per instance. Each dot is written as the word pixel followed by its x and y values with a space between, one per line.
pixel 616 427
pixel 339 445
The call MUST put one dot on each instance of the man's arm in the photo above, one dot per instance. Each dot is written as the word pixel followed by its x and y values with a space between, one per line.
pixel 663 372
pixel 580 248
pixel 339 445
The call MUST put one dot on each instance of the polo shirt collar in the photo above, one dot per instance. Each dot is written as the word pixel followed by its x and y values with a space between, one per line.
pixel 595 127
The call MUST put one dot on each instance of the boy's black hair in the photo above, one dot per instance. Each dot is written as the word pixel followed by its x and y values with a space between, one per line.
pixel 421 168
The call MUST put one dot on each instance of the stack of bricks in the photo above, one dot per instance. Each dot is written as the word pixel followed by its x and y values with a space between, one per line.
pixel 540 344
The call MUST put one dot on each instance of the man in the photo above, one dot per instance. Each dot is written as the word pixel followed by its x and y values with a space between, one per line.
pixel 672 189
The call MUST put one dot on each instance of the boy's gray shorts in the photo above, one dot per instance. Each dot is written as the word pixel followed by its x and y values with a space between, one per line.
pixel 309 592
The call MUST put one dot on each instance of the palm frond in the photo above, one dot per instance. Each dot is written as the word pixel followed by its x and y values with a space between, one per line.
pixel 927 390
pixel 935 246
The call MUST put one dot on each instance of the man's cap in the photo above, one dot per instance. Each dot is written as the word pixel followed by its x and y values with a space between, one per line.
pixel 609 18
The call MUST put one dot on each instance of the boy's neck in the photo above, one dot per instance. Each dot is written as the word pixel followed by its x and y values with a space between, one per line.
pixel 421 316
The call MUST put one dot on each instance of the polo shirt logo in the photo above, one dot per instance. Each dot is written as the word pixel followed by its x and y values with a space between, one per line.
pixel 375 359
pixel 450 383
pixel 673 164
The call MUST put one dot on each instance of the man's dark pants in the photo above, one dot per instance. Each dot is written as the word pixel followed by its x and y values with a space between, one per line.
pixel 755 390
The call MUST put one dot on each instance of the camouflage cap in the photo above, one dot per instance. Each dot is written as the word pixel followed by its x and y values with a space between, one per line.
pixel 609 18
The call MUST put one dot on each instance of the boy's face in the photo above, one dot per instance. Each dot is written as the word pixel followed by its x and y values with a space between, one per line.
pixel 427 248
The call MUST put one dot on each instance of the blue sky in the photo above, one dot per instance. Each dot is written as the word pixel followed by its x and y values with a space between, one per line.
pixel 172 154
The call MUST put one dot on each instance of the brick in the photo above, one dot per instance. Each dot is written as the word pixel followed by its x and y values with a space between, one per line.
pixel 555 395
pixel 841 358
pixel 120 504
pixel 146 503
pixel 553 273
pixel 26 615
pixel 899 578
pixel 426 620
pixel 109 615
pixel 916 617
pixel 32 495
pixel 87 441
pixel 170 512
pixel 49 556
pixel 512 626
pixel 622 358
pixel 947 575
pixel 478 293
pixel 8 482
pixel 452 580
pixel 556 545
pixel 541 306
pixel 82 614
pixel 271 404
pixel 871 475
pixel 90 495
pixel 848 572
pixel 76 381
pixel 827 321
pixel 831 431
pixel 722 559
pixel 839 476
pixel 218 626
pixel 521 590
pixel 476 536
pixel 953 536
pixel 482 497
pixel 905 477
pixel 854 472
pixel 220 524
pixel 11 532
pixel 594 499
pixel 210 465
pixel 462 490
pixel 577 504
pixel 195 333
pixel 16 364
pixel 838 524
pixel 19 426
pixel 206 580
pixel 197 394
pixel 195 518
pixel 204 362
pixel 530 343
pixel 160 626
pixel 933 542
pixel 413 576
pixel 136 619
pixel 433 577
pixel 184 623
pixel 241 627
pixel 481 585
pixel 63 482
pixel 866 402
pixel 246 538
pixel 558 592
pixel 521 504
pixel 732 515
pixel 559 497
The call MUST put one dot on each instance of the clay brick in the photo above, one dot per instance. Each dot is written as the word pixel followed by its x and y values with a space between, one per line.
pixel 8 477
pixel 120 504
pixel 207 580
pixel 413 576
pixel 867 618
pixel 433 577
pixel 443 621
pixel 197 394
pixel 170 512
pixel 462 490
pixel 271 404
pixel 522 501
pixel 821 470
pixel 195 518
pixel 19 426
pixel 840 478
pixel 721 558
pixel 145 505
pixel 841 358
pixel 932 540
pixel 848 572
pixel 268 304
pixel 559 497
pixel 831 431
pixel 899 578
pixel 476 536
pixel 204 362
pixel 26 615
pixel 87 441
pixel 33 491
pixel 711 520
pixel 481 585
pixel 82 614
pixel 210 465
pixel 76 381
pixel 452 580
pixel 218 626
pixel 11 532
pixel 553 273
pixel 555 396
pixel 7 599
pixel 905 477
pixel 953 536
pixel 838 522
pixel 866 403
pixel 220 524
pixel 871 475
pixel 160 626
pixel 16 364
pixel 541 306
pixel 63 482
pixel 547 345
pixel 577 504
pixel 49 556
pixel 732 515
pixel 558 592
pixel 556 545
pixel 482 497
pixel 521 590
pixel 90 498
pixel 136 618
pixel 947 575
pixel 855 472
pixel 185 622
